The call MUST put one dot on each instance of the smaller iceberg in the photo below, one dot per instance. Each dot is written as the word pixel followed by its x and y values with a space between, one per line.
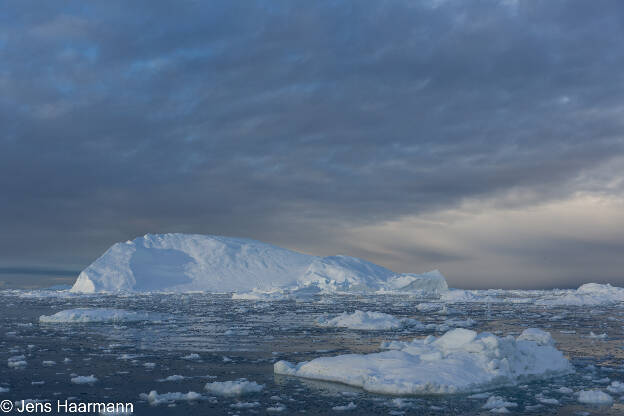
pixel 460 361
pixel 589 294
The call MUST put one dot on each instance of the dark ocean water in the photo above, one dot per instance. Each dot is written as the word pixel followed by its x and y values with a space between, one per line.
pixel 236 339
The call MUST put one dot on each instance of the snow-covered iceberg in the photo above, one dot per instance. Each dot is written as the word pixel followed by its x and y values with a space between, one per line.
pixel 460 361
pixel 191 262
pixel 589 294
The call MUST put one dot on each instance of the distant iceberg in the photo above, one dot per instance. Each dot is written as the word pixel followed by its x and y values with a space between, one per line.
pixel 589 294
pixel 191 262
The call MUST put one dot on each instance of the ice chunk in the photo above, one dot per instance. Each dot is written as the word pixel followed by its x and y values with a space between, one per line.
pixel 459 361
pixel 84 379
pixel 495 402
pixel 175 377
pixel 594 397
pixel 349 406
pixel 17 361
pixel 537 335
pixel 234 388
pixel 365 321
pixel 616 387
pixel 155 399
pixel 244 405
pixel 93 315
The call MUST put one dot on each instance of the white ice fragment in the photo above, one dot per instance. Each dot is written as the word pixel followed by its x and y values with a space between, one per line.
pixel 495 402
pixel 594 397
pixel 536 335
pixel 371 321
pixel 155 399
pixel 234 388
pixel 244 405
pixel 97 315
pixel 278 407
pixel 349 406
pixel 616 387
pixel 174 377
pixel 84 379
pixel 17 361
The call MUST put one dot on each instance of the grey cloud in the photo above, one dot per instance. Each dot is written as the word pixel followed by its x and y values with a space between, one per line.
pixel 292 123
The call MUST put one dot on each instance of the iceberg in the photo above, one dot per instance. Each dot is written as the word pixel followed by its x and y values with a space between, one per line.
pixel 204 263
pixel 589 294
pixel 460 361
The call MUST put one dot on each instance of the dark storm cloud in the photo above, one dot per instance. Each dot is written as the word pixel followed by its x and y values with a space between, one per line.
pixel 292 122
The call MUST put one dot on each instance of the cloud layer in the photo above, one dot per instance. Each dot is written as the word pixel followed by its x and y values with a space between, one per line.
pixel 320 126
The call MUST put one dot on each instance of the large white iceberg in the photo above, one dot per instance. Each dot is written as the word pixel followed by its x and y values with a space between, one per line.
pixel 460 361
pixel 185 263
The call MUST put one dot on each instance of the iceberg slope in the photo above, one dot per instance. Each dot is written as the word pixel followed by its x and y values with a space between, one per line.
pixel 192 262
pixel 182 262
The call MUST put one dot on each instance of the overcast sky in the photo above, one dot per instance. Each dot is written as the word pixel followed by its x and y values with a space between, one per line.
pixel 482 138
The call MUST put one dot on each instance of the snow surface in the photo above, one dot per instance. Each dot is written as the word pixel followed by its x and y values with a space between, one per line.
pixel 370 321
pixel 460 361
pixel 191 262
pixel 92 315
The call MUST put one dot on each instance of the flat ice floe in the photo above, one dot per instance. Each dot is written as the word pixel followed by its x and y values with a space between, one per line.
pixel 234 387
pixel 370 321
pixel 167 398
pixel 84 379
pixel 94 315
pixel 594 397
pixel 460 361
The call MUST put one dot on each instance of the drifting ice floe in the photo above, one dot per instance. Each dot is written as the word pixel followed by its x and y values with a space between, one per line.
pixel 459 361
pixel 84 379
pixel 370 321
pixel 234 388
pixel 155 399
pixel 185 263
pixel 93 315
pixel 17 361
pixel 594 397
